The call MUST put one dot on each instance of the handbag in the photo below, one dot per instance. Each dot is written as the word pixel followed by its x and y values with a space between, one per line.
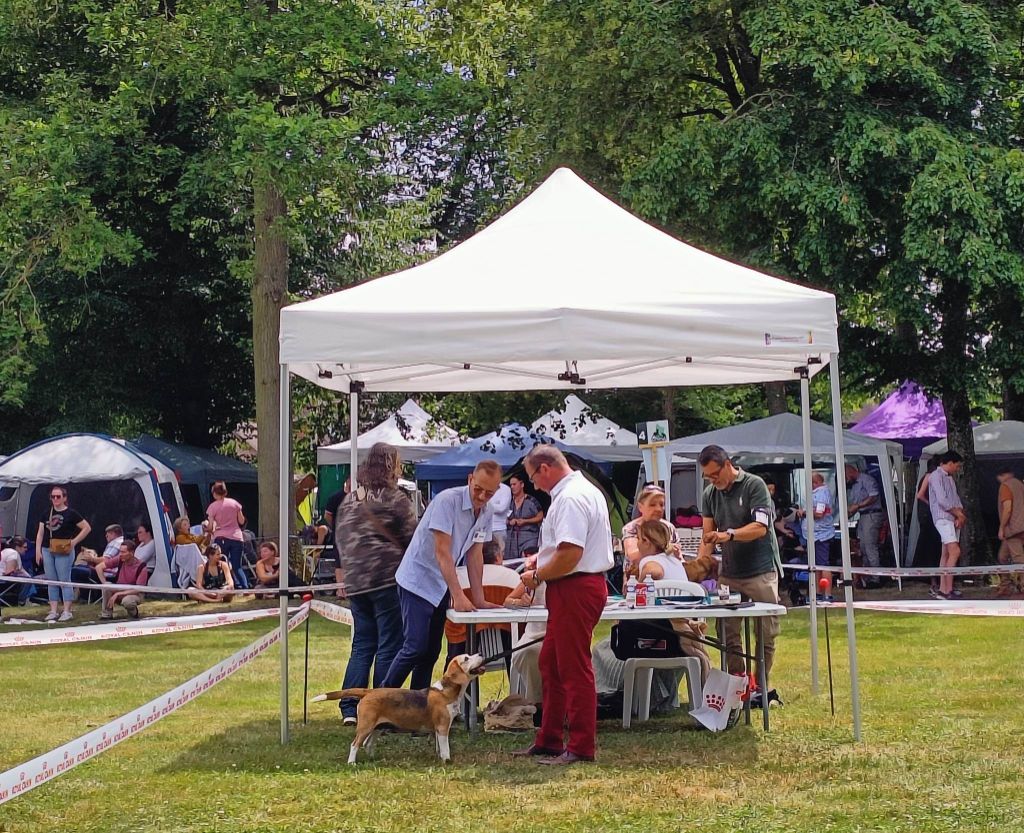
pixel 644 639
pixel 60 546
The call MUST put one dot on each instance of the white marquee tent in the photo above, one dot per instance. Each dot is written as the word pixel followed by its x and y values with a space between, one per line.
pixel 577 426
pixel 93 458
pixel 597 298
pixel 423 437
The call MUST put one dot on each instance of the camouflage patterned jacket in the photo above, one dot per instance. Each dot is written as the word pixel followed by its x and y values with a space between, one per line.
pixel 371 534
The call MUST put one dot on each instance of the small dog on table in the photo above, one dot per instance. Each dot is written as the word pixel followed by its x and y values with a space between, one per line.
pixel 425 710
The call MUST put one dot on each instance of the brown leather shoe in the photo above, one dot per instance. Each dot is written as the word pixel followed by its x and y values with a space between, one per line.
pixel 565 759
pixel 536 751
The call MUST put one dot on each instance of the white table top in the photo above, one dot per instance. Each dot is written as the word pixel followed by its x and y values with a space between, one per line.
pixel 618 610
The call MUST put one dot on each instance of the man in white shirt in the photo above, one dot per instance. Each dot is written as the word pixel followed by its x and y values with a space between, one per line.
pixel 576 551
pixel 146 549
pixel 501 506
pixel 12 565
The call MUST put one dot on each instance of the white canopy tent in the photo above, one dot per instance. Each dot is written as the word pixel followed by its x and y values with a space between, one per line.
pixel 93 458
pixel 418 437
pixel 601 300
pixel 779 439
pixel 577 426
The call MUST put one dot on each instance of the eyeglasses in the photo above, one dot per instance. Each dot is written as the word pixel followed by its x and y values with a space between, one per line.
pixel 536 471
pixel 712 475
pixel 57 496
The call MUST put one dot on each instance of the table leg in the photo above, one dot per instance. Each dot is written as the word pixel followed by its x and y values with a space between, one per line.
pixel 762 674
pixel 746 664
pixel 470 702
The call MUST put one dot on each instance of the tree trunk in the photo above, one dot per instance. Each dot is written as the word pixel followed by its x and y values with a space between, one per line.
pixel 973 543
pixel 776 399
pixel 269 290
pixel 668 406
pixel 1013 403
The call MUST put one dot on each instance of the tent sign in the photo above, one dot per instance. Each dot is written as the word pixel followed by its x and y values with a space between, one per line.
pixel 652 433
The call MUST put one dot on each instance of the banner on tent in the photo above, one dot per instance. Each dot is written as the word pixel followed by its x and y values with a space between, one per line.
pixel 39 770
pixel 124 630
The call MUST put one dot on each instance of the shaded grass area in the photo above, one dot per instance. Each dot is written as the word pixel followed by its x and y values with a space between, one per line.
pixel 941 748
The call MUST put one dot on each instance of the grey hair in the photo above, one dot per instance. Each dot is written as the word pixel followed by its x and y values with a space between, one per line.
pixel 546 453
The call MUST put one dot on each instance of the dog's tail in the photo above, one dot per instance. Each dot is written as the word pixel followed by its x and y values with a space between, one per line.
pixel 355 693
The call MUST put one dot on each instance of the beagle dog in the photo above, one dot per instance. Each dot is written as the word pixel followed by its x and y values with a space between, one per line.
pixel 425 710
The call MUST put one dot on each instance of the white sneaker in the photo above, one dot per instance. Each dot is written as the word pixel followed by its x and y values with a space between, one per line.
pixel 51 616
pixel 106 614
pixel 65 616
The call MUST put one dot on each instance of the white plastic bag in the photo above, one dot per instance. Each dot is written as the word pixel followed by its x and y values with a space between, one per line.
pixel 723 694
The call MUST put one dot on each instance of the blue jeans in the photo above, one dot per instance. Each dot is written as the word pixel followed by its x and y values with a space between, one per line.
pixel 423 630
pixel 232 550
pixel 376 639
pixel 58 568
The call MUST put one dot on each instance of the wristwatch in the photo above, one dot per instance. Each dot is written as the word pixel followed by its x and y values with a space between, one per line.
pixel 731 533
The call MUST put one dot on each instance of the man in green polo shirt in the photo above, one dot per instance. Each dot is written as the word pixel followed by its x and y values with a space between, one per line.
pixel 738 516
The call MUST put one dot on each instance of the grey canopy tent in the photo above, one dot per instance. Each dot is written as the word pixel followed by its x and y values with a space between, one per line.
pixel 576 320
pixel 779 439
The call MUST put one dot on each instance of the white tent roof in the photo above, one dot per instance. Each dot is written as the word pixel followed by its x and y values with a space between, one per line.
pixel 77 458
pixel 576 426
pixel 1002 438
pixel 423 438
pixel 565 284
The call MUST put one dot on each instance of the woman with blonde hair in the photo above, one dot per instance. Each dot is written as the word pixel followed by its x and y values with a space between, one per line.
pixel 657 559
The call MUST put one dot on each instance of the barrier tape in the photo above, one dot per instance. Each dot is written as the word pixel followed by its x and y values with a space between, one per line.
pixel 123 629
pixel 914 572
pixel 173 591
pixel 954 607
pixel 336 613
pixel 31 774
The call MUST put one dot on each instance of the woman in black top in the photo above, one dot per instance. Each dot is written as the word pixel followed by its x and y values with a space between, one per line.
pixel 59 533
pixel 213 578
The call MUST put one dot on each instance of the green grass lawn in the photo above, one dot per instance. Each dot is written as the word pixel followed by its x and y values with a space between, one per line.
pixel 942 747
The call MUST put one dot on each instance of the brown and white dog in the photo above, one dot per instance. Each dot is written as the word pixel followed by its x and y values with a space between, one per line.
pixel 424 710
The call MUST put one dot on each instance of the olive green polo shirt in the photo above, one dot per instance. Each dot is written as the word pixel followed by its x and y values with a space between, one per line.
pixel 745 500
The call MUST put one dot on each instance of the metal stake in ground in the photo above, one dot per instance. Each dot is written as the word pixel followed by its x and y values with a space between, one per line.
pixel 306 599
pixel 823 586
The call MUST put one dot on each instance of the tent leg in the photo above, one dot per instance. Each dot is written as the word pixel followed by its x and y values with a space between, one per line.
pixel 353 432
pixel 844 520
pixel 812 582
pixel 284 525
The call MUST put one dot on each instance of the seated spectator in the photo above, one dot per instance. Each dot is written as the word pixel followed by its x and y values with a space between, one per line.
pixel 84 569
pixel 268 570
pixel 525 660
pixel 657 558
pixel 183 534
pixel 145 550
pixel 651 507
pixel 12 565
pixel 128 570
pixel 214 582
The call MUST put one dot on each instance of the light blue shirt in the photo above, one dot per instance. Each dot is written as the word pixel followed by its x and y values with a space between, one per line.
pixel 824 527
pixel 450 512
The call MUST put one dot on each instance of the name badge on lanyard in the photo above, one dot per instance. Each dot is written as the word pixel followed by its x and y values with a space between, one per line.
pixel 479 536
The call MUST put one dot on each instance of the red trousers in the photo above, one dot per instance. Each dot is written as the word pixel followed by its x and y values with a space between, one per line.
pixel 574 607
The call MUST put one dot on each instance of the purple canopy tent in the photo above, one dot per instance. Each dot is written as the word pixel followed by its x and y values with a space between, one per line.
pixel 909 416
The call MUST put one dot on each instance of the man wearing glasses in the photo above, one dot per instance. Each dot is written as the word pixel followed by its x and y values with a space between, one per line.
pixel 451 532
pixel 738 516
pixel 575 553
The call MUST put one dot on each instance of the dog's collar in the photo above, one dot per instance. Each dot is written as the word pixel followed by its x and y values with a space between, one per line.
pixel 438 685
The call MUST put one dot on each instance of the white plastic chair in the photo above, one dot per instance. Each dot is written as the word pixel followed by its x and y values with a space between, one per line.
pixel 638 674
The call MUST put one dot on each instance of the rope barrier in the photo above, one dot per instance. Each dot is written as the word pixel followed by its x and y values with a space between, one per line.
pixel 172 591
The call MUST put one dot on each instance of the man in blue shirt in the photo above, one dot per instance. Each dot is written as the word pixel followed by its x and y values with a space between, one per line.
pixel 451 532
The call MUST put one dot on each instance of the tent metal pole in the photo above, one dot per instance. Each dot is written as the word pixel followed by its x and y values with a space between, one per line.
pixel 284 525
pixel 812 583
pixel 353 432
pixel 844 520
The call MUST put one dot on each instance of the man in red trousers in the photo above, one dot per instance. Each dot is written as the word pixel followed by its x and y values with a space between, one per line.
pixel 575 553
